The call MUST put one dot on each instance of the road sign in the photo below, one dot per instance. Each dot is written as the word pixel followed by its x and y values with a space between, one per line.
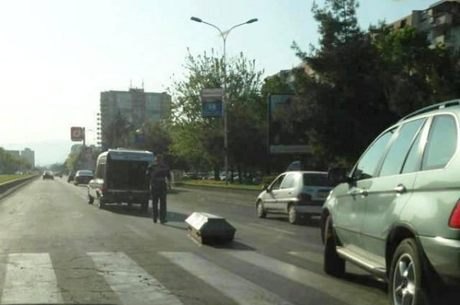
pixel 284 139
pixel 77 133
pixel 211 102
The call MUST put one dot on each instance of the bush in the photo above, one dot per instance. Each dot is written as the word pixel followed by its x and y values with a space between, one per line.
pixel 267 179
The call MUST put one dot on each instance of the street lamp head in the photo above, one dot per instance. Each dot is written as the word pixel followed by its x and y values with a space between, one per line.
pixel 252 20
pixel 196 19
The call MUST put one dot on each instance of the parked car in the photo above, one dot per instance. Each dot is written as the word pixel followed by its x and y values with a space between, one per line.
pixel 83 177
pixel 298 194
pixel 397 213
pixel 47 175
pixel 121 177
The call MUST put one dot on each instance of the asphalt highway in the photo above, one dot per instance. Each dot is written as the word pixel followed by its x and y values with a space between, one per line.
pixel 55 248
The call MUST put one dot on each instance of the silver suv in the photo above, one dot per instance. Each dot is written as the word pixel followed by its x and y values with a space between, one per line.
pixel 397 213
pixel 299 194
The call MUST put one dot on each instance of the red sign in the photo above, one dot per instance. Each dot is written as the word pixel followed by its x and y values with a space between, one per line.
pixel 77 133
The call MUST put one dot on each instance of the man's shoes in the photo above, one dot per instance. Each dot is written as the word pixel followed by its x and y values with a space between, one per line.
pixel 163 221
pixel 155 220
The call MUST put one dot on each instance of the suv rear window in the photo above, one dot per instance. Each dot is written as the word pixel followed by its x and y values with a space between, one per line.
pixel 395 157
pixel 369 161
pixel 442 142
pixel 316 180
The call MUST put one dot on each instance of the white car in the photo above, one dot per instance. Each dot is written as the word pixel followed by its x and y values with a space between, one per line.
pixel 295 193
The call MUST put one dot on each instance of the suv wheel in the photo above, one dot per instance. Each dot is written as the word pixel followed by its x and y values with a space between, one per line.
pixel 293 216
pixel 405 286
pixel 261 213
pixel 333 264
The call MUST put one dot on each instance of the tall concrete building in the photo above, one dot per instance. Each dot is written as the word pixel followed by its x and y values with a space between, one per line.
pixel 28 155
pixel 14 153
pixel 441 22
pixel 136 106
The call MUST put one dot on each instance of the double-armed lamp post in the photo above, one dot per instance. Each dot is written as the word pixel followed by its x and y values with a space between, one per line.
pixel 224 35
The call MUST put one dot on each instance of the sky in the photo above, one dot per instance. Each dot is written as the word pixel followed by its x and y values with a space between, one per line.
pixel 56 56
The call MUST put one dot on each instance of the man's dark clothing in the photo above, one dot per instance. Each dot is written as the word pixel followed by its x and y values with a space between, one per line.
pixel 158 187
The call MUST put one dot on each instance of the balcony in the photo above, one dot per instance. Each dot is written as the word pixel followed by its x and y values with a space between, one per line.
pixel 443 21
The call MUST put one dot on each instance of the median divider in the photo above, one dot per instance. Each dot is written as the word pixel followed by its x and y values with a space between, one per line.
pixel 10 186
pixel 245 189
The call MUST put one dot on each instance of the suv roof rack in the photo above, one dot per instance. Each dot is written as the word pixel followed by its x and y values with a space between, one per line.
pixel 442 105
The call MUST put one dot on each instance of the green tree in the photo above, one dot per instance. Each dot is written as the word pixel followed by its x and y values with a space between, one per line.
pixel 343 105
pixel 9 164
pixel 414 74
pixel 199 140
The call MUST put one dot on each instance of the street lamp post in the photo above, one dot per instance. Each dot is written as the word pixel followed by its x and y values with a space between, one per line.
pixel 224 35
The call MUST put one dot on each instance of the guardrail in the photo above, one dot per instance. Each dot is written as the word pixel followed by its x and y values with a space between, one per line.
pixel 8 186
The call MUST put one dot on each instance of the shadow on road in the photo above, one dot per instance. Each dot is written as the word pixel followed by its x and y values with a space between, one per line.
pixel 366 280
pixel 234 245
pixel 308 222
pixel 133 210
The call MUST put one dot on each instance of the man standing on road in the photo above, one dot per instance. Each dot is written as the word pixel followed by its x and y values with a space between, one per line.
pixel 159 173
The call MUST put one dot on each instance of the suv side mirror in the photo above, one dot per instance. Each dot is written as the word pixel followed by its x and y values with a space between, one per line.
pixel 265 187
pixel 338 175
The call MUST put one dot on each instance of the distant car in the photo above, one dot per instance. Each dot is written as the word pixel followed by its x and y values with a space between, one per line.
pixel 83 177
pixel 47 175
pixel 295 193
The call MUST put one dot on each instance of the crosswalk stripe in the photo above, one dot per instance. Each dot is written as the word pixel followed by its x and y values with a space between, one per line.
pixel 311 256
pixel 233 286
pixel 30 278
pixel 342 291
pixel 129 281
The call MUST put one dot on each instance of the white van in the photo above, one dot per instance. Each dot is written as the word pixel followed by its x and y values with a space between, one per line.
pixel 121 177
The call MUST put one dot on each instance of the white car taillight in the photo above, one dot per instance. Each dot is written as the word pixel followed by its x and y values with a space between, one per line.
pixel 454 221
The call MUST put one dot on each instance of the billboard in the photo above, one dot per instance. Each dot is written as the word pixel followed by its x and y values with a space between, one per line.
pixel 283 136
pixel 77 133
pixel 211 103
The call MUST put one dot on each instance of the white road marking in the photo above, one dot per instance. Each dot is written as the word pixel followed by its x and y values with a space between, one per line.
pixel 130 282
pixel 233 286
pixel 341 290
pixel 311 256
pixel 30 278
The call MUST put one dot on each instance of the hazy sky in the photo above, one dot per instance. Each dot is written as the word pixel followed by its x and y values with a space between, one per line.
pixel 56 56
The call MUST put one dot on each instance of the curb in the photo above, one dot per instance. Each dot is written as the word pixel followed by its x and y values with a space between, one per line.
pixel 218 188
pixel 10 187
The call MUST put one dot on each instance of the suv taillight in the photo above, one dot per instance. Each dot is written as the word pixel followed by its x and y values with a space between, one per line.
pixel 454 221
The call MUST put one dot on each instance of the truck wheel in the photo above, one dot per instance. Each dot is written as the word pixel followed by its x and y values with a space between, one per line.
pixel 101 203
pixel 145 207
pixel 333 264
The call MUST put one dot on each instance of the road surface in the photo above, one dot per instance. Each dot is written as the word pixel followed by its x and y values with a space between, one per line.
pixel 58 249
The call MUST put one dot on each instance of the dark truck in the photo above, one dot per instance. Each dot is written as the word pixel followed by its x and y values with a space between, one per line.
pixel 121 177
